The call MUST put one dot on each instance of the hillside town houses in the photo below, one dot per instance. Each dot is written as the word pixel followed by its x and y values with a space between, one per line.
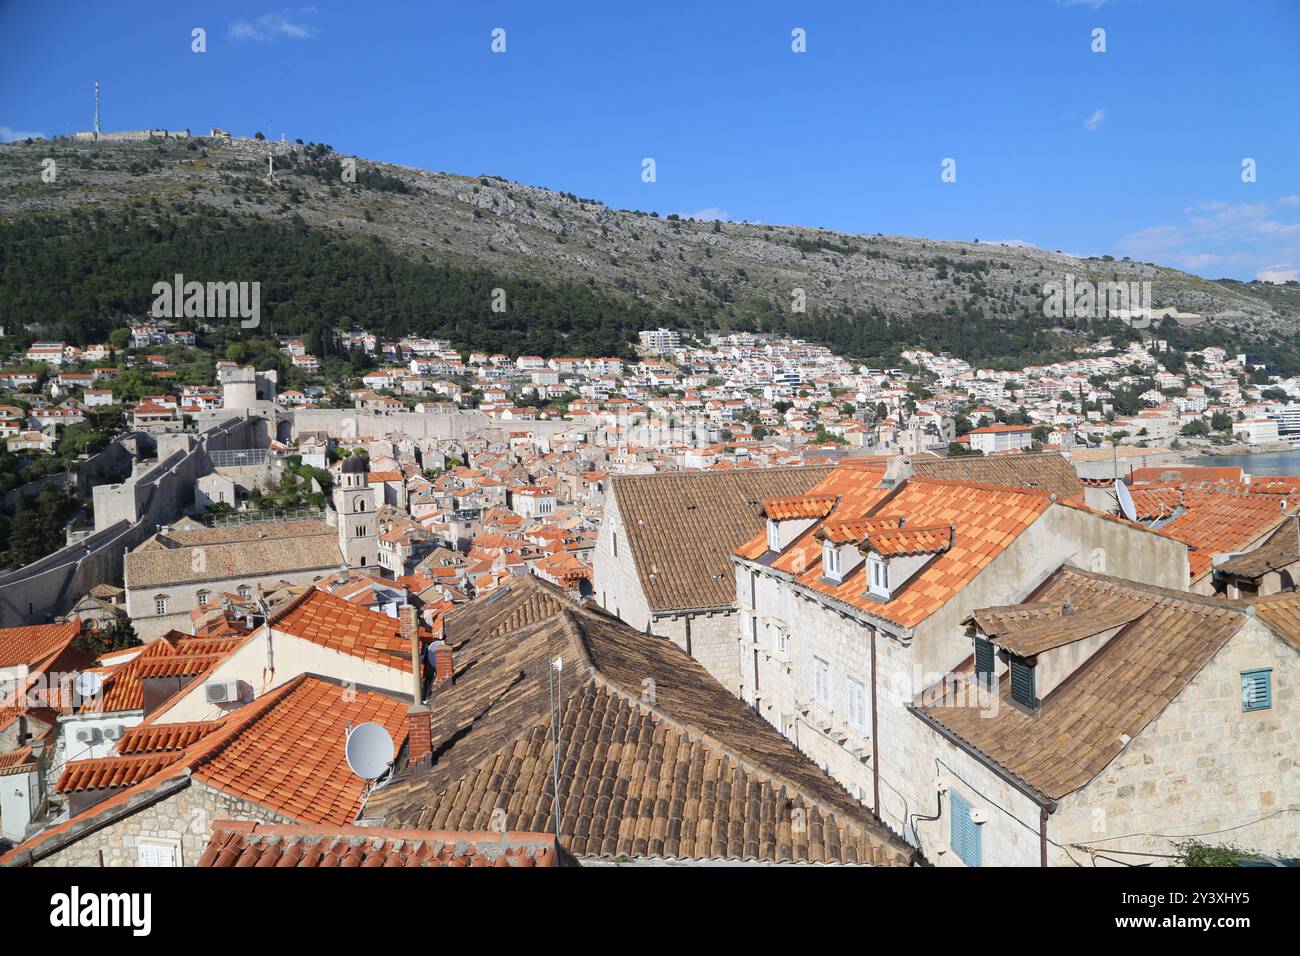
pixel 923 615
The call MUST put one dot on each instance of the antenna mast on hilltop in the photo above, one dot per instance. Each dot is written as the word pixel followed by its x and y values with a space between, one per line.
pixel 96 109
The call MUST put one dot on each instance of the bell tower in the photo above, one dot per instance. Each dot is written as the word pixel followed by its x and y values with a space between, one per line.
pixel 354 502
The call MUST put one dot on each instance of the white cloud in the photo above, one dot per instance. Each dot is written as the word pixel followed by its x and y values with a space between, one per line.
pixel 709 214
pixel 1095 120
pixel 273 26
pixel 1094 4
pixel 1012 243
pixel 10 135
pixel 1277 275
pixel 1222 238
pixel 1290 200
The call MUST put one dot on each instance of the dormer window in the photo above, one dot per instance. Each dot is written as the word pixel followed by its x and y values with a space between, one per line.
pixel 878 576
pixel 831 561
pixel 773 536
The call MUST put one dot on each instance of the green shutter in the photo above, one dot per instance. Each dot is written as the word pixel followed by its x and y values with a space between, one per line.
pixel 1256 689
pixel 1022 683
pixel 965 835
pixel 983 656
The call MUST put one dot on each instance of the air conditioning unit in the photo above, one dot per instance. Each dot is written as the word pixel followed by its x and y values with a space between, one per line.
pixel 221 692
pixel 114 732
pixel 88 735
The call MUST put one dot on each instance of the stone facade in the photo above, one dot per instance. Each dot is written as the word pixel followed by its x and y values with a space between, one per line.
pixel 1202 768
pixel 182 820
pixel 785 631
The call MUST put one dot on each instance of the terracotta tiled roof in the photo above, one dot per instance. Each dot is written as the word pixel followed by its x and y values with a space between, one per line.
pixel 855 529
pixel 856 485
pixel 1082 725
pixel 798 506
pixel 111 772
pixel 164 738
pixel 343 626
pixel 1281 612
pixel 245 844
pixel 904 542
pixel 32 644
pixel 16 761
pixel 688 773
pixel 1217 523
pixel 171 655
pixel 284 752
pixel 681 528
pixel 984 521
pixel 1046 471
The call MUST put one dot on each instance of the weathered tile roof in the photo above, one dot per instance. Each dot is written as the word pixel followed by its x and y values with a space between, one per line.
pixel 1281 612
pixel 30 645
pixel 244 844
pixel 1068 625
pixel 1045 471
pixel 681 528
pixel 655 758
pixel 1084 723
pixel 253 551
pixel 1281 549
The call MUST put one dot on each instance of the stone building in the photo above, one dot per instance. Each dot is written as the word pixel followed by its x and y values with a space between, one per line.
pixel 1103 722
pixel 355 507
pixel 188 565
pixel 278 760
pixel 854 596
pixel 662 561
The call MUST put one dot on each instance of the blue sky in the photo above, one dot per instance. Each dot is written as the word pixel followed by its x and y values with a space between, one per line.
pixel 1135 151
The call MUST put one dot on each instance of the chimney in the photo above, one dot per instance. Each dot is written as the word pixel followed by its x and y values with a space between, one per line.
pixel 419 733
pixel 442 665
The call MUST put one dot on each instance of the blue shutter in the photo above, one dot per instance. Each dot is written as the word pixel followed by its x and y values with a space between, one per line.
pixel 965 836
pixel 1256 689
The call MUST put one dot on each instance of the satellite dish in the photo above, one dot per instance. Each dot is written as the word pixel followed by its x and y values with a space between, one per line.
pixel 369 750
pixel 89 684
pixel 1125 499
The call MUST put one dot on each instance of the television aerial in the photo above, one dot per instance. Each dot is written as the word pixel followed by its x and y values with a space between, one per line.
pixel 369 750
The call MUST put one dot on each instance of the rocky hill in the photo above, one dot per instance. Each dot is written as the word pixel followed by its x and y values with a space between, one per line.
pixel 696 274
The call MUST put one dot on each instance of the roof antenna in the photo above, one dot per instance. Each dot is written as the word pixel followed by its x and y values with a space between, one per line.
pixel 553 674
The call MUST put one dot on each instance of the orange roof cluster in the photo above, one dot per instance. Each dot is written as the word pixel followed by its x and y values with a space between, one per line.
pixel 979 521
pixel 284 752
pixel 172 655
pixel 343 626
pixel 1217 523
pixel 800 506
pixel 30 645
